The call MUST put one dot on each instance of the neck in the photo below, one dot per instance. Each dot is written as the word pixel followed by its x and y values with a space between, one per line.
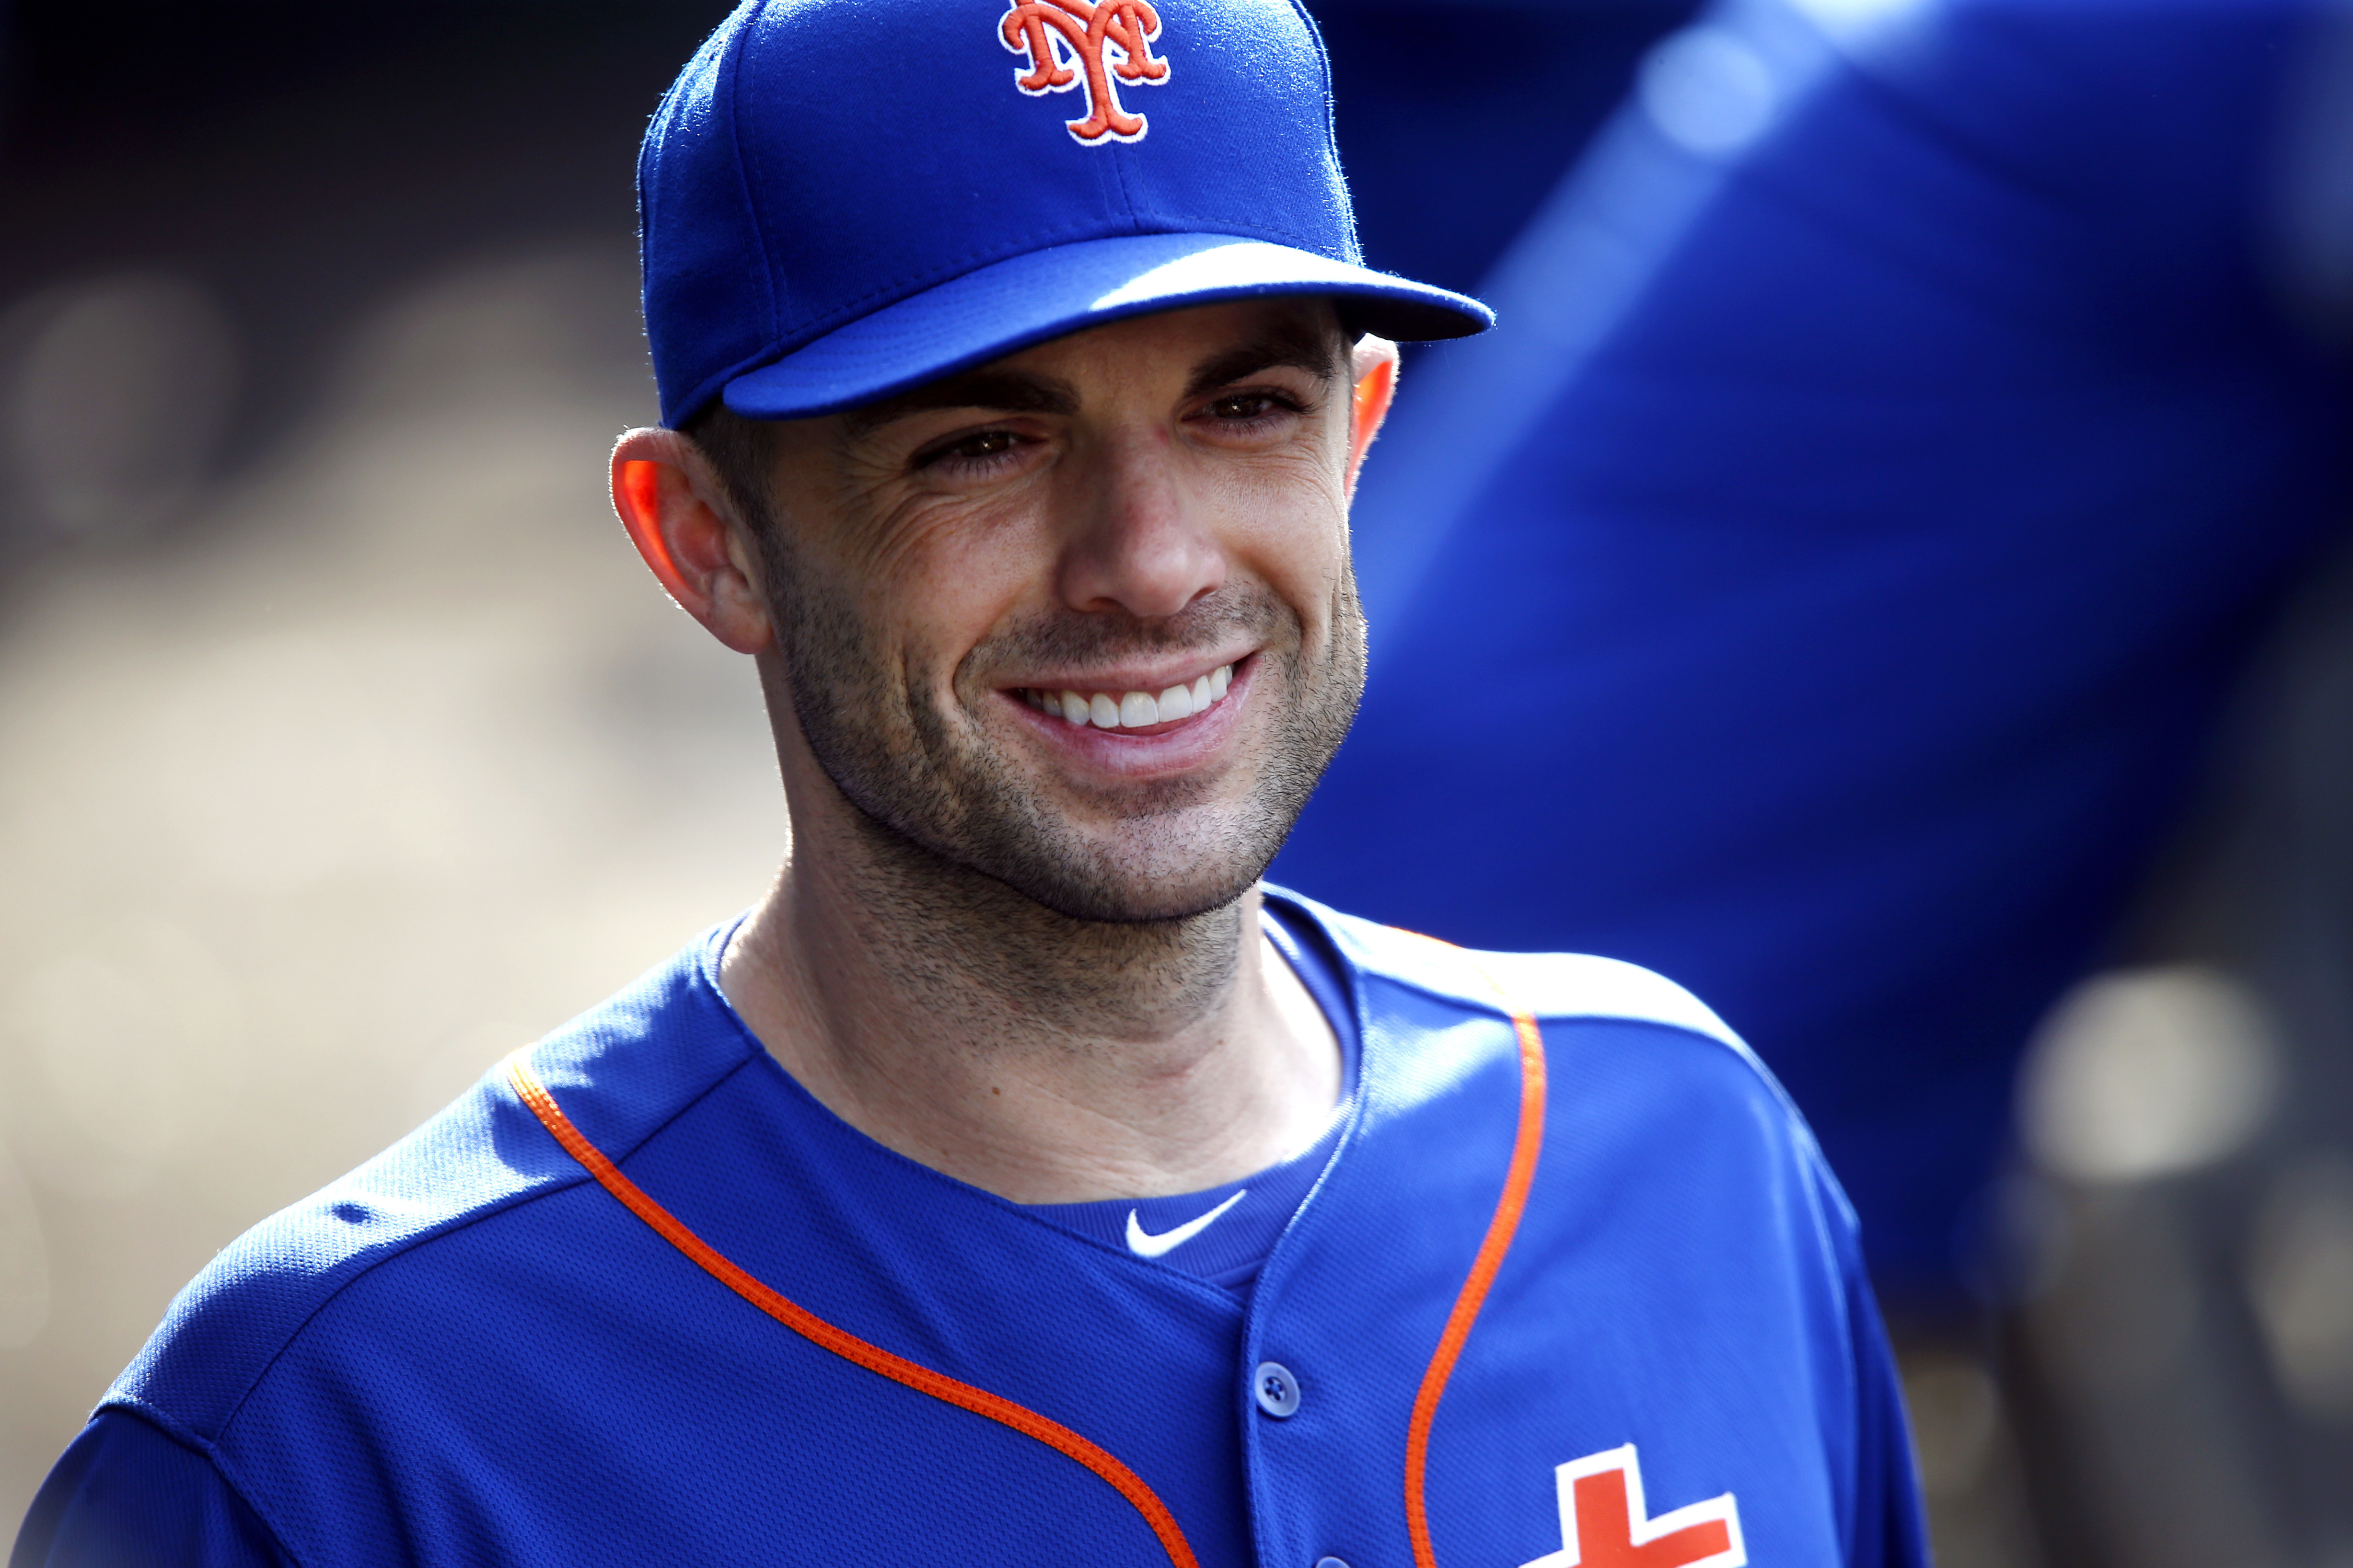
pixel 1044 1059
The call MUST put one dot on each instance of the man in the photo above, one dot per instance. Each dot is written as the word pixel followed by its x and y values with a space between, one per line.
pixel 1020 1182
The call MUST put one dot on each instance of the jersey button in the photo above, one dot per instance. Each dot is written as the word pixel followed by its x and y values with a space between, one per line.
pixel 1277 1390
pixel 1329 1562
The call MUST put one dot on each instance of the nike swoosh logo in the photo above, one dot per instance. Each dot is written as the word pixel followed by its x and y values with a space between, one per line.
pixel 1144 1244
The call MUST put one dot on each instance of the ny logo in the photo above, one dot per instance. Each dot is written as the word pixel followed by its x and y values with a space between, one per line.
pixel 1067 42
pixel 1605 1524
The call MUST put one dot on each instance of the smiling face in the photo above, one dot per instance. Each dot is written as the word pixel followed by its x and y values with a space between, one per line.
pixel 1083 619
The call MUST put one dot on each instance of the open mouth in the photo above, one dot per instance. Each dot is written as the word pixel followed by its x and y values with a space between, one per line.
pixel 1131 709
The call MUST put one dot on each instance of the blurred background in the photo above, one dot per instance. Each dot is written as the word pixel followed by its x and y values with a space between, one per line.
pixel 1889 573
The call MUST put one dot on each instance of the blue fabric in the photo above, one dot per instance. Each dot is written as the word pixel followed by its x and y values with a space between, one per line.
pixel 467 1352
pixel 1822 587
pixel 125 1495
pixel 1251 1213
pixel 839 201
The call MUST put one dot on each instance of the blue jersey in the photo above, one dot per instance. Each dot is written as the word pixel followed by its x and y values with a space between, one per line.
pixel 1573 1287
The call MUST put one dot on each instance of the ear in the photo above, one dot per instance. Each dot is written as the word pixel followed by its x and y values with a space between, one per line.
pixel 1373 368
pixel 679 517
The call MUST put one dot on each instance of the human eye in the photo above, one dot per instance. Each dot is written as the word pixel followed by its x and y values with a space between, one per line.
pixel 1250 410
pixel 969 452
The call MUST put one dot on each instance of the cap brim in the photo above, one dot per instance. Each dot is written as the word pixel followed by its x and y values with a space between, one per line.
pixel 1066 288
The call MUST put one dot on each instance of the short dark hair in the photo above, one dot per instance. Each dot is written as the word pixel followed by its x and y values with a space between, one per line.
pixel 742 452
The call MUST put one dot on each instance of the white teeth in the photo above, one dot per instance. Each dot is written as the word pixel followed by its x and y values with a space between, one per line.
pixel 1133 710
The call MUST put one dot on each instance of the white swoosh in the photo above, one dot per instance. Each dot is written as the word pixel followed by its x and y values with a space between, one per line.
pixel 1144 1244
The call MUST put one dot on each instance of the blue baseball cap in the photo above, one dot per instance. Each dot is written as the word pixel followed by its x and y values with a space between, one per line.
pixel 841 199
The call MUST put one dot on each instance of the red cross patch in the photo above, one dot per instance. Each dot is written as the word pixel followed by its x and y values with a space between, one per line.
pixel 1604 1522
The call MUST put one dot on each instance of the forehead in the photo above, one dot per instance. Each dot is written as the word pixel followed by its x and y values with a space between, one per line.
pixel 1173 340
pixel 1188 351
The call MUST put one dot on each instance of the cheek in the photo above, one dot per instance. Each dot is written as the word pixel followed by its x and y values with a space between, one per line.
pixel 1285 521
pixel 945 577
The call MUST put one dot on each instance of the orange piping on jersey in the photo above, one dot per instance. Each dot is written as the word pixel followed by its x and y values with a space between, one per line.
pixel 848 1346
pixel 1517 1177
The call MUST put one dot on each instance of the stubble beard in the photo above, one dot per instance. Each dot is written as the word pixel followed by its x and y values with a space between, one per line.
pixel 976 866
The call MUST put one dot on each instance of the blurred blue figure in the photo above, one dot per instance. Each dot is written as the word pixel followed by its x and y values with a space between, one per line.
pixel 1447 163
pixel 1821 587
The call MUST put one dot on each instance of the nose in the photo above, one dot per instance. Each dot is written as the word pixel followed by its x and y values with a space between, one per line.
pixel 1140 543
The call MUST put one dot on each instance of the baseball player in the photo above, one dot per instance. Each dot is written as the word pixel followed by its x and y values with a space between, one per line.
pixel 1019 1181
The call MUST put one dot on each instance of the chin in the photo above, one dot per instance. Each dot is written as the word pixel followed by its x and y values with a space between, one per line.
pixel 1128 882
pixel 1155 906
pixel 1140 899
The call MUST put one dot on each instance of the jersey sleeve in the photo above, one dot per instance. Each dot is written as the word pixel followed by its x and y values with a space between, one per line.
pixel 1887 1523
pixel 1889 1530
pixel 127 1493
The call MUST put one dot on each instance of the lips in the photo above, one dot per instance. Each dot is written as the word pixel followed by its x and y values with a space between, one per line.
pixel 1130 709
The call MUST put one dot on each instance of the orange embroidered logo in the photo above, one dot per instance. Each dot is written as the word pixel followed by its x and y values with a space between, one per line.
pixel 1072 43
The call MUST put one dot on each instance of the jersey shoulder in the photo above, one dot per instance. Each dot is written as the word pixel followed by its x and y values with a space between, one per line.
pixel 483 1154
pixel 1551 987
pixel 1546 985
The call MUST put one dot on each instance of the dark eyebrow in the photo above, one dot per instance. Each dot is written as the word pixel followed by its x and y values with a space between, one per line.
pixel 1294 344
pixel 998 390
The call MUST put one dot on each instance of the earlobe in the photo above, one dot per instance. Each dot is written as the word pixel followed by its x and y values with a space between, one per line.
pixel 1374 368
pixel 665 497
